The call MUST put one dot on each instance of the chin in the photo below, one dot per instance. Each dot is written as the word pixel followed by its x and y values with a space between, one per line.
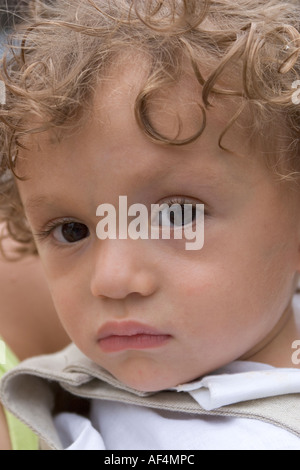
pixel 146 385
pixel 144 380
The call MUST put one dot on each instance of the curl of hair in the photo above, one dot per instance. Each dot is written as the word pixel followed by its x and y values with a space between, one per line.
pixel 61 51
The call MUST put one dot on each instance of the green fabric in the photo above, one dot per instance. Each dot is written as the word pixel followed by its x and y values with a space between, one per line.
pixel 21 437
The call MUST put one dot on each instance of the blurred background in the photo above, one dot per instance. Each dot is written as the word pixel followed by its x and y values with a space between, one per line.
pixel 10 13
pixel 28 320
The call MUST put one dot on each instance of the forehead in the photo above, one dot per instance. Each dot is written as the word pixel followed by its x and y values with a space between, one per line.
pixel 113 144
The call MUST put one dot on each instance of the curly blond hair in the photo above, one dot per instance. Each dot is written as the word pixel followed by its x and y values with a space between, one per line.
pixel 62 50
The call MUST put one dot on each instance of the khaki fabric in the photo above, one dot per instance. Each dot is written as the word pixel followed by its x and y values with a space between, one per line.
pixel 66 381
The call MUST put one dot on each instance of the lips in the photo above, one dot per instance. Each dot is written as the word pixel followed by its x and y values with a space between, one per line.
pixel 119 336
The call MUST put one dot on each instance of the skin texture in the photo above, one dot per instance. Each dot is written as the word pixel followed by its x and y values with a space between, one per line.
pixel 229 300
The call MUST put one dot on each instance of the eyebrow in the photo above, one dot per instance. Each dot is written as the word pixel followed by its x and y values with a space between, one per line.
pixel 35 202
pixel 211 179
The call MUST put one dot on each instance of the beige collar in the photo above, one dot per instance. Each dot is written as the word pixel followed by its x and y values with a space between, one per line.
pixel 31 390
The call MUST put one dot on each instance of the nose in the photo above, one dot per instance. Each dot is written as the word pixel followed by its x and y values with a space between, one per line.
pixel 121 268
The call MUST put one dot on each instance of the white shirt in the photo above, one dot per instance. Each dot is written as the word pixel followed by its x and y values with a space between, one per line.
pixel 118 426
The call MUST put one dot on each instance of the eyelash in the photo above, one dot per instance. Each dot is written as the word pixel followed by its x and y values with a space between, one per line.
pixel 184 200
pixel 179 200
pixel 52 225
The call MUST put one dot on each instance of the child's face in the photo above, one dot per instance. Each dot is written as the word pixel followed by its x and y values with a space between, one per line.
pixel 203 308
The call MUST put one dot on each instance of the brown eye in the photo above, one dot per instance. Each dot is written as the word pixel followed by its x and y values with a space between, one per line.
pixel 71 232
pixel 177 215
pixel 184 215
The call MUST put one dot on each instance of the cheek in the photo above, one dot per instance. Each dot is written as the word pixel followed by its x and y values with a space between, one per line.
pixel 246 281
pixel 66 310
pixel 273 260
pixel 67 300
pixel 199 299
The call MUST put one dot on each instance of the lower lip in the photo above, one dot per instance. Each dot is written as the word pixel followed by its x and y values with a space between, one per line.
pixel 137 342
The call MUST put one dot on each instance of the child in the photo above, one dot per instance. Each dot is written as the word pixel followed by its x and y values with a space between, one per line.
pixel 187 102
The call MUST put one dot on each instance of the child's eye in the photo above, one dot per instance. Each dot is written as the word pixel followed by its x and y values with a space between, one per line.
pixel 177 213
pixel 71 232
pixel 64 231
pixel 179 216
